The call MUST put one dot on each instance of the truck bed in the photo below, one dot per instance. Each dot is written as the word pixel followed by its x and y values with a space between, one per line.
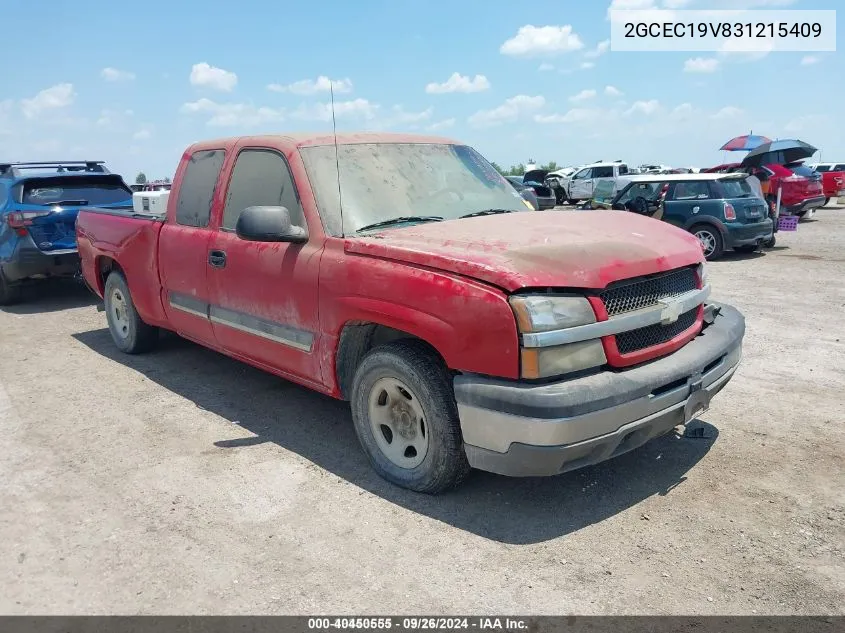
pixel 107 236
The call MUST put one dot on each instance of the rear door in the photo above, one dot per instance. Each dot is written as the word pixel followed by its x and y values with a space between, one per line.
pixel 183 246
pixel 264 294
pixel 602 175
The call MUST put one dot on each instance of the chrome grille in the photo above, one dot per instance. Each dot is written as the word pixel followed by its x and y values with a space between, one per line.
pixel 652 335
pixel 628 296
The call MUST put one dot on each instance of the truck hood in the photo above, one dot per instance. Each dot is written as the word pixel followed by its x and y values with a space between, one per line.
pixel 574 249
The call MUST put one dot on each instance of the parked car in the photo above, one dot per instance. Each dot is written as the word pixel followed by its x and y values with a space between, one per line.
pixel 833 179
pixel 801 188
pixel 721 210
pixel 463 332
pixel 528 194
pixel 536 180
pixel 38 207
pixel 580 185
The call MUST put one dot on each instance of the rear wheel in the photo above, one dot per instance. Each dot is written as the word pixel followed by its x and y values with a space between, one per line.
pixel 826 200
pixel 711 240
pixel 770 243
pixel 9 294
pixel 406 417
pixel 128 330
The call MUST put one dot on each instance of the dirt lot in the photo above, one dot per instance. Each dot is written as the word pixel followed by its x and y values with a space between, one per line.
pixel 185 482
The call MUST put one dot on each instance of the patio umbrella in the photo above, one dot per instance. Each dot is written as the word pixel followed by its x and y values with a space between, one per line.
pixel 779 152
pixel 745 143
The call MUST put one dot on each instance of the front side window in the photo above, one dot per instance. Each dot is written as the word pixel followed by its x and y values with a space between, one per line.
pixel 583 174
pixel 260 178
pixel 196 193
pixel 647 190
pixel 623 169
pixel 384 181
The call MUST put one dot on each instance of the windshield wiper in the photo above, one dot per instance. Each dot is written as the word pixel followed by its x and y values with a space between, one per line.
pixel 401 220
pixel 61 202
pixel 487 212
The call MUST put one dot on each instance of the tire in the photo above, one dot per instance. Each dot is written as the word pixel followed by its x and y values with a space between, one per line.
pixel 826 200
pixel 402 393
pixel 9 294
pixel 129 333
pixel 716 245
pixel 770 243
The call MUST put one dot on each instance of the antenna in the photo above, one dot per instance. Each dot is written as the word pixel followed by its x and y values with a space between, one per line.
pixel 336 158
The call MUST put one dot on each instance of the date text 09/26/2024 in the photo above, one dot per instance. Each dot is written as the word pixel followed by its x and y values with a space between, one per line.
pixel 417 623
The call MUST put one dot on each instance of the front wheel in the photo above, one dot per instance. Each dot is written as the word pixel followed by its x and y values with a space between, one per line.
pixel 406 418
pixel 9 294
pixel 711 240
pixel 128 330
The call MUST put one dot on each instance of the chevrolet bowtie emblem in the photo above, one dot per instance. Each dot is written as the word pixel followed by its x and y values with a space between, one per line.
pixel 670 312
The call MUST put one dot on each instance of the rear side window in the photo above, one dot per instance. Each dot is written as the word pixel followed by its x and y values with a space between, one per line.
pixel 623 169
pixel 691 191
pixel 260 178
pixel 736 189
pixel 839 167
pixel 602 172
pixel 196 192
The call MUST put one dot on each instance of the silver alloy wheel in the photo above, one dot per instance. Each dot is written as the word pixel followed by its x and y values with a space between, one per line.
pixel 708 241
pixel 398 423
pixel 119 316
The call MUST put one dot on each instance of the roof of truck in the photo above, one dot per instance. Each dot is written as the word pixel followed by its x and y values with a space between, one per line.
pixel 305 139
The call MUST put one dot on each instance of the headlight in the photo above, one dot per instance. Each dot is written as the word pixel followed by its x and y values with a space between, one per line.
pixel 702 274
pixel 540 313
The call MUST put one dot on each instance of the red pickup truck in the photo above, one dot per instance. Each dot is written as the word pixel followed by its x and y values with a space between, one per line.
pixel 405 275
pixel 833 179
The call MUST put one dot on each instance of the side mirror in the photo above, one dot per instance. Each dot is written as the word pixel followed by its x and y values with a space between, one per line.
pixel 269 224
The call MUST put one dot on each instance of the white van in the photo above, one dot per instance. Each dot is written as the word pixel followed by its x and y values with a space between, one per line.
pixel 581 184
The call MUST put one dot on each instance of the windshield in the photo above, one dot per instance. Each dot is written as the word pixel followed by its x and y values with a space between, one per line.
pixel 88 190
pixel 737 189
pixel 381 181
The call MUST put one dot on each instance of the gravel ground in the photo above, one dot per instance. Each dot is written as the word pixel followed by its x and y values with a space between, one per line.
pixel 185 482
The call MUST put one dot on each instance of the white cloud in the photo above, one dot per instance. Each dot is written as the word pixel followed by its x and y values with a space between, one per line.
pixel 584 95
pixel 233 114
pixel 459 83
pixel 645 108
pixel 400 116
pixel 55 97
pixel 142 135
pixel 682 112
pixel 728 112
pixel 809 60
pixel 587 65
pixel 206 76
pixel 441 125
pixel 575 115
pixel 809 121
pixel 612 91
pixel 542 40
pixel 113 74
pixel 600 49
pixel 701 65
pixel 545 67
pixel 355 108
pixel 308 87
pixel 511 110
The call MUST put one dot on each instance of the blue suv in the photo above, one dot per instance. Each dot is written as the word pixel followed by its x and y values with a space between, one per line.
pixel 38 207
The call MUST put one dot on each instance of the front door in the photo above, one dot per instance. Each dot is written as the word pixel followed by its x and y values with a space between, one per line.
pixel 581 187
pixel 264 294
pixel 183 248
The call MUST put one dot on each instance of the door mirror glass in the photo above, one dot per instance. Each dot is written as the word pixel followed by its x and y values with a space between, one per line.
pixel 268 224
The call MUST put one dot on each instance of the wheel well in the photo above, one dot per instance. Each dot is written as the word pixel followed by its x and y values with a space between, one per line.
pixel 105 265
pixel 356 339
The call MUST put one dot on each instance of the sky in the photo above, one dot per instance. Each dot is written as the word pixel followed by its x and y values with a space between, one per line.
pixel 135 84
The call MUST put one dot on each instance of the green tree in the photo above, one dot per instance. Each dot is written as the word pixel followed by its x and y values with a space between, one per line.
pixel 498 168
pixel 550 166
pixel 141 178
pixel 167 179
pixel 517 170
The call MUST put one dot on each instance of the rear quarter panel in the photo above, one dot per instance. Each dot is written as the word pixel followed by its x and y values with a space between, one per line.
pixel 131 243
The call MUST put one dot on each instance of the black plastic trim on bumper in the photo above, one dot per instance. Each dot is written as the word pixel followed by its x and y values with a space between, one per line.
pixel 27 260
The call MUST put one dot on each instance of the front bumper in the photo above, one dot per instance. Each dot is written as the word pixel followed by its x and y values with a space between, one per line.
pixel 522 430
pixel 27 261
